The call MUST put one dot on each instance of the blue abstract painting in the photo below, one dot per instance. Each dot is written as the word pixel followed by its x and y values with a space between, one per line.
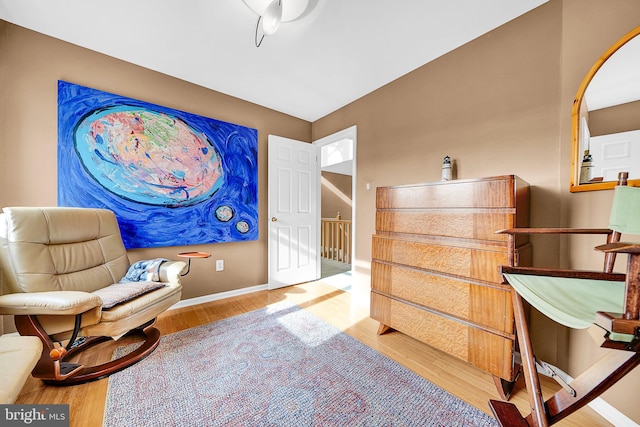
pixel 172 178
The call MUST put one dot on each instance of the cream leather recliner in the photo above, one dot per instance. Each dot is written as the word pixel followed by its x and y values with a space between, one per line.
pixel 60 272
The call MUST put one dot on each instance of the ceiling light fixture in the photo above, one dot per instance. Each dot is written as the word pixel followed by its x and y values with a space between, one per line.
pixel 272 17
pixel 271 13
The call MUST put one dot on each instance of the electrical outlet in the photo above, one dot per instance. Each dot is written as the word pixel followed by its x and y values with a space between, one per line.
pixel 219 264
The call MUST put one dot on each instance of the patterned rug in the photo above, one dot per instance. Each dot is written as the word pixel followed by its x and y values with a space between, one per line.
pixel 278 366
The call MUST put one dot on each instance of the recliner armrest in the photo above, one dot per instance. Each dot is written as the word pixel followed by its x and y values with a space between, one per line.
pixel 170 271
pixel 55 302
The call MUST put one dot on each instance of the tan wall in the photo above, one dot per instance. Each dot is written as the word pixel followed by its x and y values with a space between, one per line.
pixel 590 27
pixel 492 105
pixel 336 196
pixel 620 118
pixel 499 105
pixel 31 65
pixel 471 105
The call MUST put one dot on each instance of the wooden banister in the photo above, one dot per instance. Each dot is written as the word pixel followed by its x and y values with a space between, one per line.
pixel 335 239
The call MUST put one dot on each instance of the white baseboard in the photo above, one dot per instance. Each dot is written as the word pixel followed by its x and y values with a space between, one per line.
pixel 611 414
pixel 220 295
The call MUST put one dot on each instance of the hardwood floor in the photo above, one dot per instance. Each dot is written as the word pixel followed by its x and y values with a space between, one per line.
pixel 348 311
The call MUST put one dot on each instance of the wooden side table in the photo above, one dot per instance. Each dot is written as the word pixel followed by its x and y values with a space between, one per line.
pixel 191 255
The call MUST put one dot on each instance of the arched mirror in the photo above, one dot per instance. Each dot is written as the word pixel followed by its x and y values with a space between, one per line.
pixel 606 119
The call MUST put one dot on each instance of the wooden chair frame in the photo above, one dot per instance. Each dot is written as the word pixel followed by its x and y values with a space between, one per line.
pixel 605 372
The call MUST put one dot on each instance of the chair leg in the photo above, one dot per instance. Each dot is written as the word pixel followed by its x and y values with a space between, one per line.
pixel 507 414
pixel 587 386
pixel 62 373
pixel 532 381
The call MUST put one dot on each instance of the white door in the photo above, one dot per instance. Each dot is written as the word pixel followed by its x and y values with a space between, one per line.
pixel 294 217
pixel 614 153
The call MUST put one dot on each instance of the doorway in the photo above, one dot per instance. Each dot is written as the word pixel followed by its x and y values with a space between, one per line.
pixel 337 205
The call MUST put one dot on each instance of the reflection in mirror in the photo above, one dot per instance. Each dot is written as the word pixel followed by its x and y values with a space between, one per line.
pixel 606 119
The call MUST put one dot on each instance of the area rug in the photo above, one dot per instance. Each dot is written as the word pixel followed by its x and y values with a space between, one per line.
pixel 278 366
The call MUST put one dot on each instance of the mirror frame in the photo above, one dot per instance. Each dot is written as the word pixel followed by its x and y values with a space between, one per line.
pixel 575 122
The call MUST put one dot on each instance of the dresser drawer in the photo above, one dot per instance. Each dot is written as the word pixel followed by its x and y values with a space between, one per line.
pixel 495 192
pixel 485 350
pixel 466 224
pixel 478 264
pixel 486 305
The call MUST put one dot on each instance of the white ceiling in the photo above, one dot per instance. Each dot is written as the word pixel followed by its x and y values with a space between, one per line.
pixel 339 50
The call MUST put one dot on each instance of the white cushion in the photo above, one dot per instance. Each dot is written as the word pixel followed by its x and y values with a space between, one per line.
pixel 123 292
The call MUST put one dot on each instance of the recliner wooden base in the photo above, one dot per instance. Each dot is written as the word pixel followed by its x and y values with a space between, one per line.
pixel 62 372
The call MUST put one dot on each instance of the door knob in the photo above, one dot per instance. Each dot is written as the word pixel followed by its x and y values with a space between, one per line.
pixel 274 219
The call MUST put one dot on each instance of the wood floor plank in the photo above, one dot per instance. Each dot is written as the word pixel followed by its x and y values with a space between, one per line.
pixel 348 312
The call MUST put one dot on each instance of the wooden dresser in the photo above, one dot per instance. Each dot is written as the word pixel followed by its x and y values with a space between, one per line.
pixel 434 272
